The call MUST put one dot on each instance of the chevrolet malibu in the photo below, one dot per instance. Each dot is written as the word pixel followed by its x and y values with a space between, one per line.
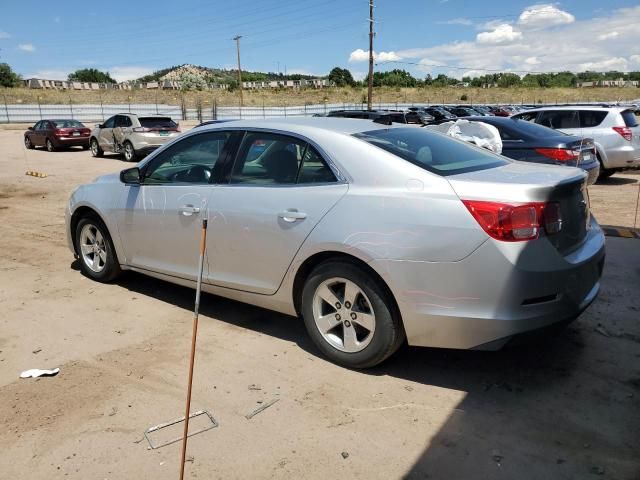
pixel 374 235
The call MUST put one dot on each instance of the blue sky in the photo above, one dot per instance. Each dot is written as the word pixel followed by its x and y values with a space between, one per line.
pixel 456 37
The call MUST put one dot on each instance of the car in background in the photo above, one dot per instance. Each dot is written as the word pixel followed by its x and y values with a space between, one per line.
pixel 131 135
pixel 529 142
pixel 386 117
pixel 371 233
pixel 440 114
pixel 463 111
pixel 57 133
pixel 615 131
pixel 500 111
pixel 484 110
pixel 419 116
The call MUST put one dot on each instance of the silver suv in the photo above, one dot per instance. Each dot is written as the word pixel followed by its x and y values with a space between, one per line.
pixel 131 135
pixel 615 132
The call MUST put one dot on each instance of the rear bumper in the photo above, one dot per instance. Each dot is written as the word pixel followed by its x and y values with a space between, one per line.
pixel 60 142
pixel 496 293
pixel 626 156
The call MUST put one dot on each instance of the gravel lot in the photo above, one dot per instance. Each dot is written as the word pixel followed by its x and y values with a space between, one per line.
pixel 565 408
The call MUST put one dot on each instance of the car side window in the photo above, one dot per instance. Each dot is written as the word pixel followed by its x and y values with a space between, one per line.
pixel 559 119
pixel 190 160
pixel 314 169
pixel 37 126
pixel 122 121
pixel 267 159
pixel 528 117
pixel 109 123
pixel 591 118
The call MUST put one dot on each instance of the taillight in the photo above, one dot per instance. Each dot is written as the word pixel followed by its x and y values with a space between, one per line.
pixel 59 133
pixel 516 222
pixel 559 154
pixel 625 132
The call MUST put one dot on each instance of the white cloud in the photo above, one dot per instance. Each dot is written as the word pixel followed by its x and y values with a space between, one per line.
pixel 27 47
pixel 617 63
pixel 4 34
pixel 570 46
pixel 544 15
pixel 122 74
pixel 49 74
pixel 360 55
pixel 457 21
pixel 503 33
pixel 608 36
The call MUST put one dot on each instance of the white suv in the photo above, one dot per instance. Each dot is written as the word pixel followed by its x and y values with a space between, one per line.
pixel 615 131
pixel 131 135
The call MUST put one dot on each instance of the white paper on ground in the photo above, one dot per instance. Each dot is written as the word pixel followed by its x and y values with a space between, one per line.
pixel 36 372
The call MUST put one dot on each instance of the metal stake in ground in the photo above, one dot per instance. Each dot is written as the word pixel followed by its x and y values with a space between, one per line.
pixel 203 245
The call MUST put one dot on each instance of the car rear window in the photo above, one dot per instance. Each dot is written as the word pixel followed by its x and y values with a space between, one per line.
pixel 533 129
pixel 432 151
pixel 67 124
pixel 591 118
pixel 630 120
pixel 157 122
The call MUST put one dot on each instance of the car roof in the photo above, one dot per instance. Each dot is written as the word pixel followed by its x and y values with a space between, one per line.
pixel 578 107
pixel 304 125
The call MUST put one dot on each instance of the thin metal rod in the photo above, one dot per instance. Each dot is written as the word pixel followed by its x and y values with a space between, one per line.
pixel 185 435
pixel 370 79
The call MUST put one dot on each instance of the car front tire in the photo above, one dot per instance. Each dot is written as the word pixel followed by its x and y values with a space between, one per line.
pixel 349 316
pixel 98 259
pixel 96 151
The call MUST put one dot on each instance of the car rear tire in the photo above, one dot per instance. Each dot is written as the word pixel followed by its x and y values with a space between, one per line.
pixel 49 145
pixel 604 172
pixel 98 259
pixel 28 143
pixel 96 151
pixel 349 316
pixel 129 152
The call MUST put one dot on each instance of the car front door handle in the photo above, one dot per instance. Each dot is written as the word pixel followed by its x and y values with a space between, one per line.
pixel 291 216
pixel 188 210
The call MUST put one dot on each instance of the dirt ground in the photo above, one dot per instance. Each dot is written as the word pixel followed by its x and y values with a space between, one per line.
pixel 565 408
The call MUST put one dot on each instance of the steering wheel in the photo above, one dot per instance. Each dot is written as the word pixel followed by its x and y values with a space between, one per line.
pixel 196 173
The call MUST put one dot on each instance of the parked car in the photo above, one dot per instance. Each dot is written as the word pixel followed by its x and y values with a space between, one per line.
pixel 529 142
pixel 484 110
pixel 440 114
pixel 371 233
pixel 383 116
pixel 56 134
pixel 614 130
pixel 463 111
pixel 500 111
pixel 419 116
pixel 132 135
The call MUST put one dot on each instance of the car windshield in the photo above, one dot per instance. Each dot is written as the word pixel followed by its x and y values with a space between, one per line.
pixel 432 151
pixel 157 122
pixel 67 124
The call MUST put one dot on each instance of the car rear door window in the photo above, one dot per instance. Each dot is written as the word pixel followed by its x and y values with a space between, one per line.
pixel 591 118
pixel 268 159
pixel 314 169
pixel 630 120
pixel 123 121
pixel 432 151
pixel 559 119
pixel 190 160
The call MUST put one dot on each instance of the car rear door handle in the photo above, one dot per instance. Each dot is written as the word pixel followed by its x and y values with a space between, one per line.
pixel 188 210
pixel 292 215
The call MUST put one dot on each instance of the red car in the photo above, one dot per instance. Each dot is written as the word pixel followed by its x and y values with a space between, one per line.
pixel 55 134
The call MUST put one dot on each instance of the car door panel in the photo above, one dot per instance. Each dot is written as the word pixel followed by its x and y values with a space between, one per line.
pixel 105 135
pixel 255 232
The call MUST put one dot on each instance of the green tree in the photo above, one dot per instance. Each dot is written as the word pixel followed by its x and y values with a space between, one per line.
pixel 508 80
pixel 8 78
pixel 91 75
pixel 341 77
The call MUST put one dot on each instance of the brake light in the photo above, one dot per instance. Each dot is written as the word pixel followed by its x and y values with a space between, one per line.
pixel 559 154
pixel 516 222
pixel 625 132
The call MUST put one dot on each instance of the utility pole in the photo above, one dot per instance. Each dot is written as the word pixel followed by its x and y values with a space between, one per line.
pixel 370 86
pixel 237 39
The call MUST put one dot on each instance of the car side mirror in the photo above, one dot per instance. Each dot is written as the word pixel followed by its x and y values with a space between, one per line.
pixel 100 125
pixel 130 176
pixel 30 128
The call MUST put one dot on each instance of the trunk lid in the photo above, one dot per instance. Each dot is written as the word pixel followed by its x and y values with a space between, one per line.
pixel 521 182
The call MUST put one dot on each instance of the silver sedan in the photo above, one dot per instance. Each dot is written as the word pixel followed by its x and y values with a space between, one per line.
pixel 374 235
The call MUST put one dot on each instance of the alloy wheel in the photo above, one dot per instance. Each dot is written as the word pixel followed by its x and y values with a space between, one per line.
pixel 128 152
pixel 343 315
pixel 94 148
pixel 92 248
